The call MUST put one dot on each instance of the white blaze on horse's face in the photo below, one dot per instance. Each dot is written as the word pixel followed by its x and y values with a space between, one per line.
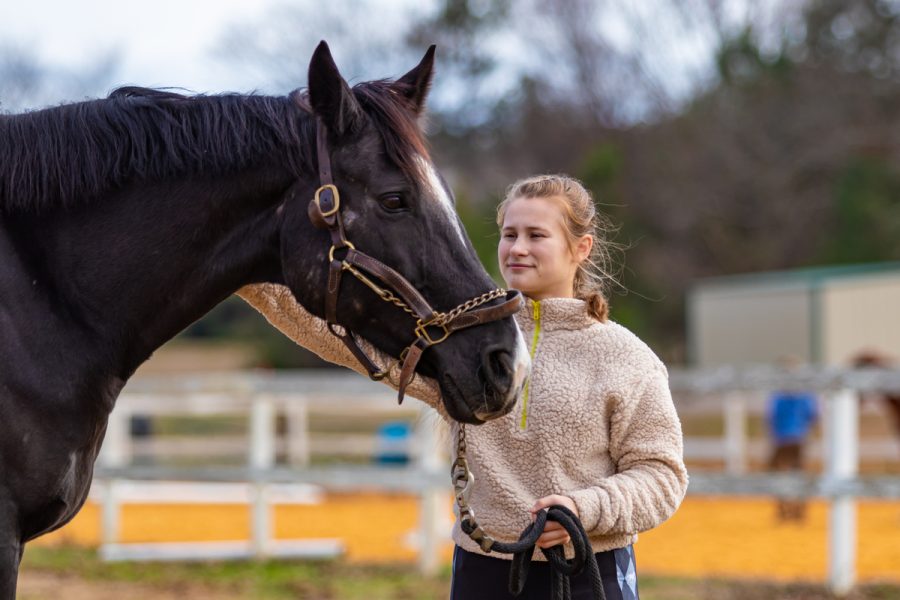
pixel 436 190
pixel 522 358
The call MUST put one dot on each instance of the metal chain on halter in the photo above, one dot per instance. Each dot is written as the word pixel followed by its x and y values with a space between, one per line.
pixel 523 549
pixel 383 293
pixel 444 318
pixel 441 318
pixel 463 480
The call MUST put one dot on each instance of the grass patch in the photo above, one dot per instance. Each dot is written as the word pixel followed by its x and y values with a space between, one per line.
pixel 339 580
pixel 264 580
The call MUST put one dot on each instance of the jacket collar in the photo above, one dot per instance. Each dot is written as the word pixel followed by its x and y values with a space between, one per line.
pixel 556 313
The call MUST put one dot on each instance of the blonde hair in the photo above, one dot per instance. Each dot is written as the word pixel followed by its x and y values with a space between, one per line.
pixel 580 218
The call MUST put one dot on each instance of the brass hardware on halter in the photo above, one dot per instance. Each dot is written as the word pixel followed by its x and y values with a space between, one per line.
pixel 334 193
pixel 422 332
pixel 347 244
pixel 380 375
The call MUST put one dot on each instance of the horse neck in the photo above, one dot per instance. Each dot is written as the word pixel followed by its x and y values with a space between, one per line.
pixel 131 271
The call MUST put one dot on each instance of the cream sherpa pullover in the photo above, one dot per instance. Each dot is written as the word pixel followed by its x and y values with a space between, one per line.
pixel 596 423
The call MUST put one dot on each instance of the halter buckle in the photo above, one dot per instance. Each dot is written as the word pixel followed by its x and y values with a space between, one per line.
pixel 334 193
pixel 333 248
pixel 422 332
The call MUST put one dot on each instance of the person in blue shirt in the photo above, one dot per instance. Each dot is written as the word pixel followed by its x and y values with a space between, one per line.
pixel 791 416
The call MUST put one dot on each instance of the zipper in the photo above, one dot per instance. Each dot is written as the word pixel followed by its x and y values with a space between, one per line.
pixel 536 314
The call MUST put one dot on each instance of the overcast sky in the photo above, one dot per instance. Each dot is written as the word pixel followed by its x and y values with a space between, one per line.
pixel 158 43
pixel 180 43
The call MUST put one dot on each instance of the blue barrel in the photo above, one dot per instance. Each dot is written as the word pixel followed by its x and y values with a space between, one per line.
pixel 392 446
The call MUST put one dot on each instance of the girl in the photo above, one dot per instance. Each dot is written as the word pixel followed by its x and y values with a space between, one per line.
pixel 595 429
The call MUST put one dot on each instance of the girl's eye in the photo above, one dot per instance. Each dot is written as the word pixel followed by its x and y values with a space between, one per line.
pixel 392 202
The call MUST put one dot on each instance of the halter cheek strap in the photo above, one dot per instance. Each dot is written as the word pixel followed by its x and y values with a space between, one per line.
pixel 432 327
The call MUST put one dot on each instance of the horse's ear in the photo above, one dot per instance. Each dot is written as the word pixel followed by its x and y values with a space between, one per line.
pixel 415 84
pixel 330 96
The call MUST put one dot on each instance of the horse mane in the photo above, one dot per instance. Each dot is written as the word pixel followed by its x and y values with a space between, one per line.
pixel 396 123
pixel 71 154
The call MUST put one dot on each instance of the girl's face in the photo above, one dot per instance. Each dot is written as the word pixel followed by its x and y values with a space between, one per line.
pixel 534 252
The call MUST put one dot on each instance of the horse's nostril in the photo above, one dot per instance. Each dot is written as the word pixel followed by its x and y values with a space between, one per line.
pixel 498 365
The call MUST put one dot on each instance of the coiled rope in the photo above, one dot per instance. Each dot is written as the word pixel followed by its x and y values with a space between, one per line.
pixel 523 549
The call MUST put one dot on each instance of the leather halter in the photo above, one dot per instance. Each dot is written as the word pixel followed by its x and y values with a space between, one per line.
pixel 432 327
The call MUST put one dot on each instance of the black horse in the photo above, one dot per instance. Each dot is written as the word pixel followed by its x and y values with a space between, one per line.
pixel 123 220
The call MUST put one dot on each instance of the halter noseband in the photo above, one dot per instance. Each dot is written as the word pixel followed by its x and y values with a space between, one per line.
pixel 432 327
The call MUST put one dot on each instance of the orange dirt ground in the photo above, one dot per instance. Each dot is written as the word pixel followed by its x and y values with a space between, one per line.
pixel 708 537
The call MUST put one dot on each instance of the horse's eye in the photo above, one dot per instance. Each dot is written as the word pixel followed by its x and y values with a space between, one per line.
pixel 392 202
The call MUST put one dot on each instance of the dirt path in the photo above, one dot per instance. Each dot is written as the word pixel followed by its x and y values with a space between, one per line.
pixel 39 585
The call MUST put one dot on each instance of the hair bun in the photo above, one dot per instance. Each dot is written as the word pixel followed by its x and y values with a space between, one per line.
pixel 597 306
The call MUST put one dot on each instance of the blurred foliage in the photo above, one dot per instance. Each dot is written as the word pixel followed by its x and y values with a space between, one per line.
pixel 742 61
pixel 867 206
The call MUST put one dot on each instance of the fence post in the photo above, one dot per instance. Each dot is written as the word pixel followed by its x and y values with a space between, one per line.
pixel 262 457
pixel 296 409
pixel 110 514
pixel 735 433
pixel 842 464
pixel 114 453
pixel 116 449
pixel 430 498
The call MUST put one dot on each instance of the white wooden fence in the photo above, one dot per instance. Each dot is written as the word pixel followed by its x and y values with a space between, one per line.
pixel 261 396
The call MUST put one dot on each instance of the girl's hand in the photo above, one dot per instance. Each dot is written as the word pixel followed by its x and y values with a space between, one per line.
pixel 553 533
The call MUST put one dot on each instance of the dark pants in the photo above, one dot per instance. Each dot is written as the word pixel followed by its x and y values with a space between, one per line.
pixel 479 577
pixel 788 456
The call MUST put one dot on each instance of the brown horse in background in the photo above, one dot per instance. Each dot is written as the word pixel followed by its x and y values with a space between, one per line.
pixel 871 359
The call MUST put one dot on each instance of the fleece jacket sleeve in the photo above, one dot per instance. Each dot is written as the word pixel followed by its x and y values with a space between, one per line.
pixel 278 305
pixel 651 479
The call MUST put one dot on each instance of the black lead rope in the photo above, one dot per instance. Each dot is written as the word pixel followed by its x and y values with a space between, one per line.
pixel 562 569
pixel 523 549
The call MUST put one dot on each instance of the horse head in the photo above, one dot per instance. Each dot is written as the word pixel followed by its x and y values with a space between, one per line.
pixel 395 207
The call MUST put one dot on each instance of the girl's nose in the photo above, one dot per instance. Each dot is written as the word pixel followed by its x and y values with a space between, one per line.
pixel 519 248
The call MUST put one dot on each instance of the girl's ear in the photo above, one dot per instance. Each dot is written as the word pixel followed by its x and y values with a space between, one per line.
pixel 584 247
